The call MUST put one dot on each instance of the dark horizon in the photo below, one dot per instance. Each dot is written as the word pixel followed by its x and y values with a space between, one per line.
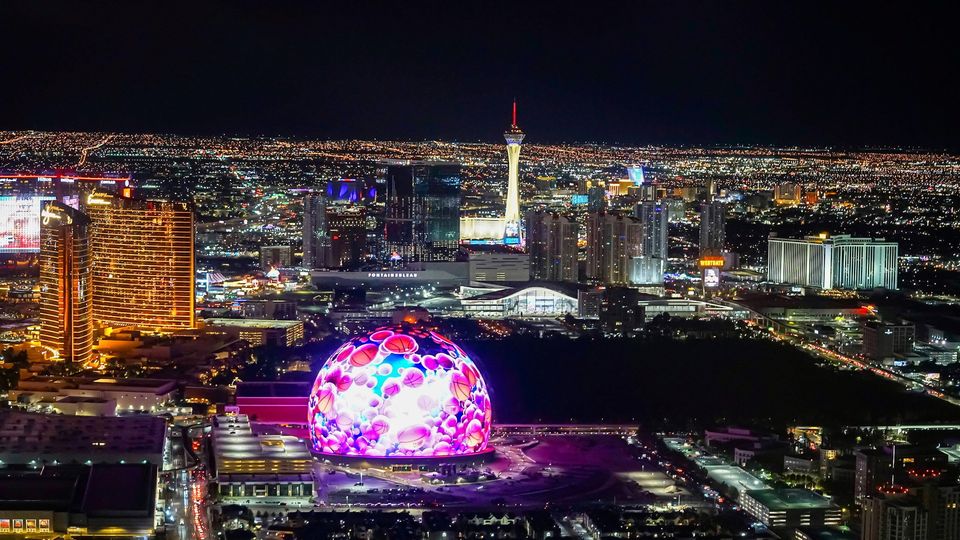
pixel 716 74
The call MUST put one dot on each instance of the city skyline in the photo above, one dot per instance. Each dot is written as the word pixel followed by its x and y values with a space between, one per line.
pixel 641 73
pixel 304 271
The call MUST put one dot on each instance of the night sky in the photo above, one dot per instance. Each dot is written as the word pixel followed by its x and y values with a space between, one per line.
pixel 810 73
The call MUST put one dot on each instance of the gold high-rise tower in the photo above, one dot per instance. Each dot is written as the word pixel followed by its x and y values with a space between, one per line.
pixel 143 262
pixel 66 327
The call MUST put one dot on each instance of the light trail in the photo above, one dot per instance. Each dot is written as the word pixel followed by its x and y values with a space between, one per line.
pixel 19 138
pixel 86 150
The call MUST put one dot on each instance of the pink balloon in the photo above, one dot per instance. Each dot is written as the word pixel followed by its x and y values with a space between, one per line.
pixel 413 437
pixel 380 425
pixel 391 388
pixel 413 378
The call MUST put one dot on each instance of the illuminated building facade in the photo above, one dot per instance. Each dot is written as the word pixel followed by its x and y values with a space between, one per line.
pixel 258 332
pixel 552 244
pixel 787 193
pixel 143 262
pixel 316 237
pixel 837 262
pixel 66 307
pixel 513 136
pixel 422 211
pixel 654 217
pixel 527 302
pixel 782 508
pixel 251 466
pixel 613 240
pixel 647 270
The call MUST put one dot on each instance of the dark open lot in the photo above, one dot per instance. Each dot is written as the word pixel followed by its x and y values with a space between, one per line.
pixel 691 383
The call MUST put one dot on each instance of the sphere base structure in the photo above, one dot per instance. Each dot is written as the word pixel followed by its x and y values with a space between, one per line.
pixel 412 463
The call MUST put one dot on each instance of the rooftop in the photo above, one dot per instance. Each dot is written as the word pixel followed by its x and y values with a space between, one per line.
pixel 100 490
pixel 250 389
pixel 261 324
pixel 789 499
pixel 237 450
pixel 28 436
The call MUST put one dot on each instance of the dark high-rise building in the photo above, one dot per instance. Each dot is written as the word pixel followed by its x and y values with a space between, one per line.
pixel 275 257
pixel 886 339
pixel 348 236
pixel 892 465
pixel 552 244
pixel 612 241
pixel 620 310
pixel 316 237
pixel 596 199
pixel 923 509
pixel 713 224
pixel 422 211
pixel 66 304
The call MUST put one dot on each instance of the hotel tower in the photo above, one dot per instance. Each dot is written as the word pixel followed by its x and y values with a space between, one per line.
pixel 66 327
pixel 143 262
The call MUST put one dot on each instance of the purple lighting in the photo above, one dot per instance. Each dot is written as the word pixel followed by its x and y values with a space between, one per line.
pixel 401 391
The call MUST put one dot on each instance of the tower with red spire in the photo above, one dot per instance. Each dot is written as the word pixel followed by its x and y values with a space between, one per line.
pixel 514 137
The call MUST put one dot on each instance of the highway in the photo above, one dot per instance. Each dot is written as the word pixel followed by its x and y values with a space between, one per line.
pixel 85 152
pixel 834 356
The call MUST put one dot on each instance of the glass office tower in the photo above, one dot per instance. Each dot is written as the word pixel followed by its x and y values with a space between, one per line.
pixel 422 217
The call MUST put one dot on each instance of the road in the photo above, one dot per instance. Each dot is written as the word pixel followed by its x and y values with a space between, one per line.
pixel 186 507
pixel 834 356
pixel 85 153
pixel 20 138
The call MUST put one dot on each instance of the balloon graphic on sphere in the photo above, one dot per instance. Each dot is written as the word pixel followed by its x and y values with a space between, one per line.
pixel 396 392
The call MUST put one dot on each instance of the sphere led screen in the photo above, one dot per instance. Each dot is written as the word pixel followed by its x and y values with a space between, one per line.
pixel 400 391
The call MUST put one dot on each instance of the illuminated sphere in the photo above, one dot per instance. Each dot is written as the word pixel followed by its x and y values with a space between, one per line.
pixel 401 391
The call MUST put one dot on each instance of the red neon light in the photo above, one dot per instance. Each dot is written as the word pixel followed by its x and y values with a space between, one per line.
pixel 67 176
pixel 514 113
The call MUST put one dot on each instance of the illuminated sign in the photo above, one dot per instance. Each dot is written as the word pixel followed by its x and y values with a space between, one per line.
pixel 20 223
pixel 92 199
pixel 578 200
pixel 388 275
pixel 636 175
pixel 711 262
pixel 711 278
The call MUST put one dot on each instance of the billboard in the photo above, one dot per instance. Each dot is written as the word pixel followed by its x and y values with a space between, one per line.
pixel 636 175
pixel 711 278
pixel 20 223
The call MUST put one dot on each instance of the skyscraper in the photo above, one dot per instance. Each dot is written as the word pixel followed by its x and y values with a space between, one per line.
pixel 316 238
pixel 66 324
pixel 143 262
pixel 612 241
pixel 422 216
pixel 713 224
pixel 654 217
pixel 513 136
pixel 552 244
pixel 648 269
pixel 832 262
pixel 348 236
